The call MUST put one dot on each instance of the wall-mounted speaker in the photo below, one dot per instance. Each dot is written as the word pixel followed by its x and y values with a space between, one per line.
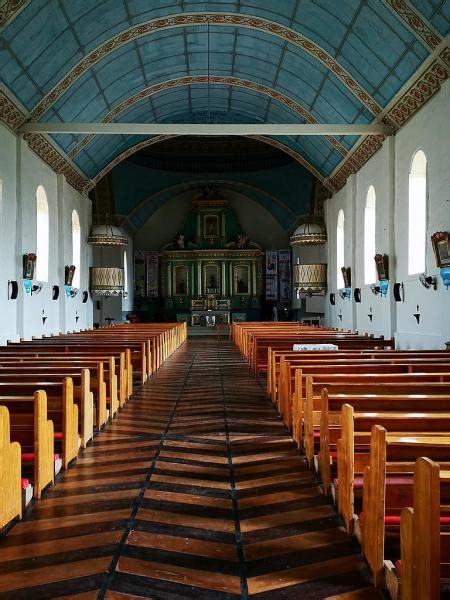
pixel 357 294
pixel 55 292
pixel 398 292
pixel 332 299
pixel 85 297
pixel 13 290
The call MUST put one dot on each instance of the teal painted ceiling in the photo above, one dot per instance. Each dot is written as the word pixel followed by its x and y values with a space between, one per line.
pixel 247 61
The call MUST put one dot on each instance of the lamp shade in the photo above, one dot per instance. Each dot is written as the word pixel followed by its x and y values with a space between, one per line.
pixel 106 235
pixel 106 281
pixel 311 279
pixel 309 233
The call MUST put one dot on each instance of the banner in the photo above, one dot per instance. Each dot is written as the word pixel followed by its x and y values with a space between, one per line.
pixel 271 275
pixel 284 272
pixel 152 274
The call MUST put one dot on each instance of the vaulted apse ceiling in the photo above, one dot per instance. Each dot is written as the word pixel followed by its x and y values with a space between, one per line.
pixel 253 61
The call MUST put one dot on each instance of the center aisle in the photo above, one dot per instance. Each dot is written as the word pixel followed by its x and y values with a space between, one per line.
pixel 194 491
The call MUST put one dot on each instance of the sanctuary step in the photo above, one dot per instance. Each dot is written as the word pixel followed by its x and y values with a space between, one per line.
pixel 194 491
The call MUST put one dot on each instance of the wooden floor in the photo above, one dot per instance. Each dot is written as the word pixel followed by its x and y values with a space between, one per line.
pixel 195 491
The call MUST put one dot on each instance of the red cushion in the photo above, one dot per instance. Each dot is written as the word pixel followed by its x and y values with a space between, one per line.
pixel 398 567
pixel 317 435
pixel 58 435
pixel 333 454
pixel 25 483
pixel 29 456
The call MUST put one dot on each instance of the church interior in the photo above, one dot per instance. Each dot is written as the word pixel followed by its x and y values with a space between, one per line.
pixel 225 318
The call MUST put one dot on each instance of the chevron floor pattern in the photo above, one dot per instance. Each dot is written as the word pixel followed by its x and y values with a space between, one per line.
pixel 194 491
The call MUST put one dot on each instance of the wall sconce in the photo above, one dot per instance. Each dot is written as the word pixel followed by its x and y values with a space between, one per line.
pixel 13 290
pixel 428 281
pixel 340 315
pixel 70 292
pixel 77 316
pixel 380 289
pixel 416 315
pixel 370 315
pixel 36 288
pixel 44 318
pixel 345 293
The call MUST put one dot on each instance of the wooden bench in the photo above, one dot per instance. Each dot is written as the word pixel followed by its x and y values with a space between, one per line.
pixel 59 405
pixel 10 473
pixel 35 434
pixel 425 533
pixel 351 439
pixel 394 456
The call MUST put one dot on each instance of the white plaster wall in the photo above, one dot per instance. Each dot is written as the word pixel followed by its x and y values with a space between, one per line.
pixel 21 172
pixel 8 267
pixel 388 172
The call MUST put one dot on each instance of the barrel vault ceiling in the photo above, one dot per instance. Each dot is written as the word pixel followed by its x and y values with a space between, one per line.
pixel 223 61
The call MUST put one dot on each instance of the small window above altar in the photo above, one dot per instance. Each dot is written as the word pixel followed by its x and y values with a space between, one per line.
pixel 211 226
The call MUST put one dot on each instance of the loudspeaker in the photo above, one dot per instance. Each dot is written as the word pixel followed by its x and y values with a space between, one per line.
pixel 55 292
pixel 13 290
pixel 332 299
pixel 85 297
pixel 357 294
pixel 398 292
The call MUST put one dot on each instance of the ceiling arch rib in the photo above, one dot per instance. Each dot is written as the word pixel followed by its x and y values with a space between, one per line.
pixel 216 19
pixel 213 79
pixel 155 140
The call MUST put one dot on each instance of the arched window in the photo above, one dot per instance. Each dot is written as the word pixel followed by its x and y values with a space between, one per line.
pixel 76 248
pixel 417 214
pixel 369 237
pixel 42 235
pixel 125 273
pixel 340 259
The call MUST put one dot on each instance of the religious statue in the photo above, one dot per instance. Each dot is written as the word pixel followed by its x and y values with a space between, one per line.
pixel 180 241
pixel 242 240
pixel 212 282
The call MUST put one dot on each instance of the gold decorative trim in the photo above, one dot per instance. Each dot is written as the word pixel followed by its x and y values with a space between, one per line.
pixel 420 27
pixel 195 19
pixel 44 149
pixel 356 160
pixel 10 114
pixel 9 9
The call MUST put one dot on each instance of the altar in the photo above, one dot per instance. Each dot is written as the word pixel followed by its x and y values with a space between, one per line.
pixel 212 269
pixel 209 318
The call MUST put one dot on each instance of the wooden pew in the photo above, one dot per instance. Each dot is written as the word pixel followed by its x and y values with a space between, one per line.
pixel 382 504
pixel 298 359
pixel 306 412
pixel 16 380
pixel 58 403
pixel 352 438
pixel 425 533
pixel 34 432
pixel 10 473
